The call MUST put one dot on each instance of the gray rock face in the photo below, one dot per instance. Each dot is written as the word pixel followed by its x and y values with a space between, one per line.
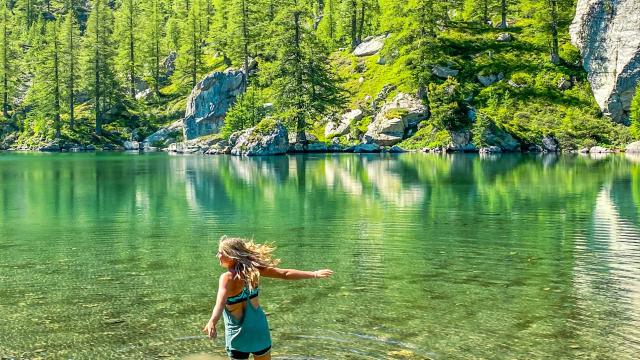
pixel 395 119
pixel 370 46
pixel 607 33
pixel 550 144
pixel 258 140
pixel 633 147
pixel 444 72
pixel 491 150
pixel 164 135
pixel 342 127
pixel 209 101
pixel 494 136
pixel 460 141
pixel 490 79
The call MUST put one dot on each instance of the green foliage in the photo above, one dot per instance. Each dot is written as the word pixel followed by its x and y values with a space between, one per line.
pixel 634 114
pixel 245 113
pixel 429 136
pixel 447 111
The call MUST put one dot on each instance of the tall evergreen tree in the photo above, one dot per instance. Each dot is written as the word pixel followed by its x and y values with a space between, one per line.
pixel 45 93
pixel 190 54
pixel 307 88
pixel 98 58
pixel 126 33
pixel 8 55
pixel 152 48
pixel 70 65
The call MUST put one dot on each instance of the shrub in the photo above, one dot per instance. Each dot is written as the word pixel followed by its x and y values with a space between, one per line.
pixel 521 78
pixel 245 113
pixel 447 111
pixel 635 114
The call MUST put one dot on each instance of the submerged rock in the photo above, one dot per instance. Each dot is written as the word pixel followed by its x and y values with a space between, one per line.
pixel 607 33
pixel 366 148
pixel 209 102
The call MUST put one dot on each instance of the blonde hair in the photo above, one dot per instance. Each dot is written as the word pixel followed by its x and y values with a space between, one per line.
pixel 248 258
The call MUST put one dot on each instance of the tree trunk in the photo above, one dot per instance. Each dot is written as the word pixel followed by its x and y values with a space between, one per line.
pixel 354 24
pixel 362 16
pixel 5 65
pixel 245 39
pixel 132 64
pixel 503 7
pixel 56 80
pixel 97 72
pixel 72 61
pixel 300 121
pixel 555 57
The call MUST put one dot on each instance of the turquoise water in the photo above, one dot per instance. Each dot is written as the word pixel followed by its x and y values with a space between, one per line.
pixel 436 257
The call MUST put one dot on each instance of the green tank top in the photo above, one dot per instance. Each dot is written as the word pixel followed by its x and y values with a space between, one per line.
pixel 251 334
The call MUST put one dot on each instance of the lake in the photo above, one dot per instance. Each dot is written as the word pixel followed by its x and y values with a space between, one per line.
pixel 436 256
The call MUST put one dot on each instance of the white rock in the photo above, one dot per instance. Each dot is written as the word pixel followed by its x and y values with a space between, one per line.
pixel 633 147
pixel 370 46
pixel 607 33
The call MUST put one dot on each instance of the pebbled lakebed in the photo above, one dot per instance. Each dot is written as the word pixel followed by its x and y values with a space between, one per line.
pixel 436 256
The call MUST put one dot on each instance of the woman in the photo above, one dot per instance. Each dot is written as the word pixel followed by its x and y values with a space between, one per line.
pixel 246 328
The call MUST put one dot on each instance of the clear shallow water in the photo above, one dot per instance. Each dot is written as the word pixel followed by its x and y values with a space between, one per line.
pixel 108 256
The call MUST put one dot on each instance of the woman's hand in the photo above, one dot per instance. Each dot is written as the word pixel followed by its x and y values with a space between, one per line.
pixel 210 329
pixel 321 274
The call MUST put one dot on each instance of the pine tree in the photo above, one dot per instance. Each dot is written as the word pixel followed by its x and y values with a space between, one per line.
pixel 152 49
pixel 45 93
pixel 9 53
pixel 126 33
pixel 69 64
pixel 98 59
pixel 634 114
pixel 189 63
pixel 306 87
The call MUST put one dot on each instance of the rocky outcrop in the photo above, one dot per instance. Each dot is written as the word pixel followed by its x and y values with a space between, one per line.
pixel 341 127
pixel 209 101
pixel 164 136
pixel 550 144
pixel 395 119
pixel 269 137
pixel 370 46
pixel 607 33
pixel 494 136
pixel 633 147
pixel 460 141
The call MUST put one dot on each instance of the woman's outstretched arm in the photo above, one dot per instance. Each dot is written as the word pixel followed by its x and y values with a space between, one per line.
pixel 292 274
pixel 221 299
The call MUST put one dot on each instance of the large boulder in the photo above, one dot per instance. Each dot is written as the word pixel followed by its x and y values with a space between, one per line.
pixel 209 102
pixel 370 46
pixel 607 33
pixel 633 147
pixel 495 136
pixel 550 144
pixel 165 135
pixel 341 127
pixel 395 119
pixel 460 141
pixel 269 137
pixel 490 79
